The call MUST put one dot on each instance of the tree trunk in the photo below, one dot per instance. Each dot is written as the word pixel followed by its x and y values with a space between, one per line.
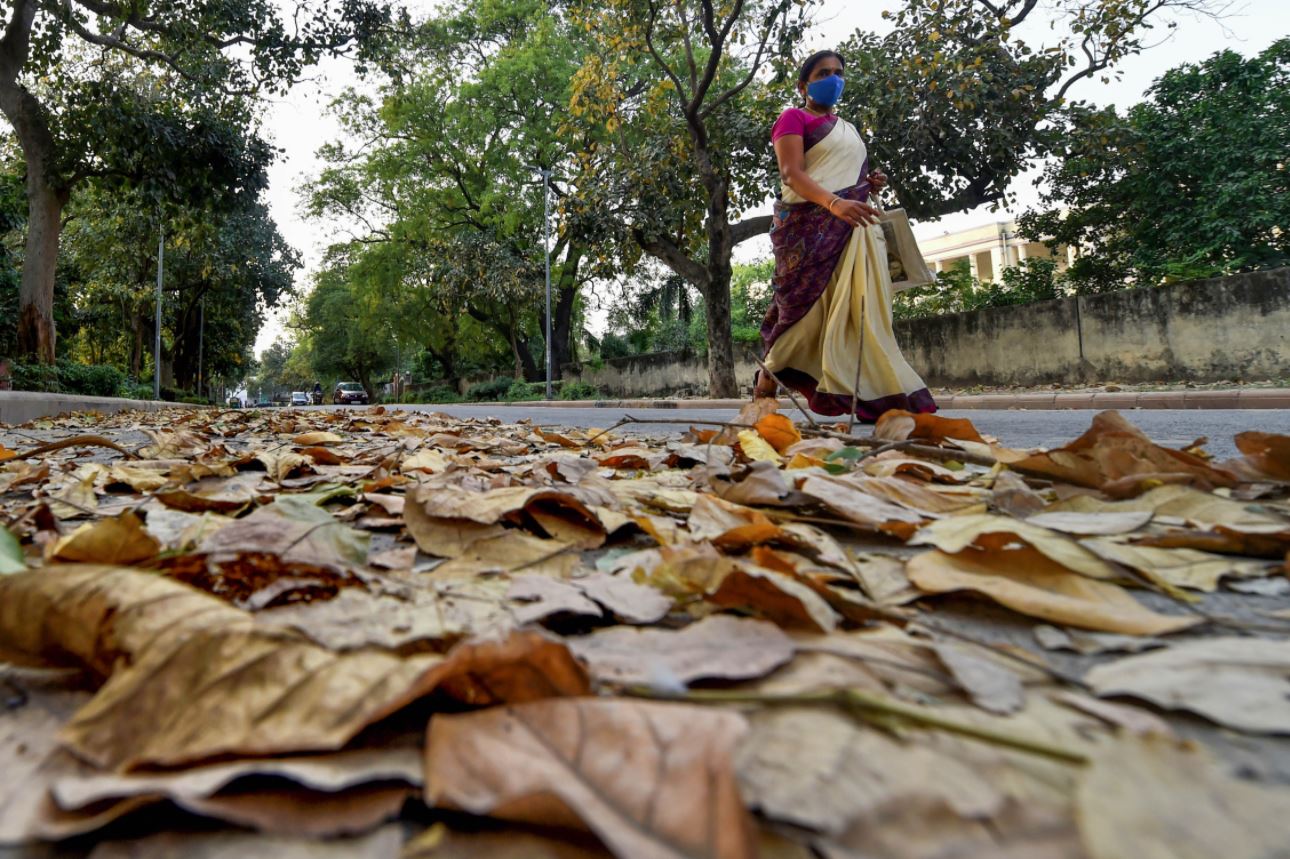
pixel 562 323
pixel 36 336
pixel 721 353
pixel 721 246
pixel 45 200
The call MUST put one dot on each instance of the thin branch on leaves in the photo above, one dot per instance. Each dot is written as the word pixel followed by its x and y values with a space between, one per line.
pixel 878 711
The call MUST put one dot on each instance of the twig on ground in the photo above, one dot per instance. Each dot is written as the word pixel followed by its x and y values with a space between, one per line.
pixel 875 708
pixel 77 441
pixel 800 406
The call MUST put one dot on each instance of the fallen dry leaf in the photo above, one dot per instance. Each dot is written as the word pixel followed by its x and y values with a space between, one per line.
pixel 993 687
pixel 1266 452
pixel 1243 683
pixel 652 780
pixel 1030 583
pixel 1116 456
pixel 990 532
pixel 119 540
pixel 778 431
pixel 897 425
pixel 1183 568
pixel 716 648
pixel 1153 799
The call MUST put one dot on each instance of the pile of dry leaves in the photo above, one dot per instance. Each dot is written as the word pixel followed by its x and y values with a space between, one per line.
pixel 383 634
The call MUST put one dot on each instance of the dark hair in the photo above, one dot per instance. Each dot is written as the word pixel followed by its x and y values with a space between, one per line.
pixel 804 74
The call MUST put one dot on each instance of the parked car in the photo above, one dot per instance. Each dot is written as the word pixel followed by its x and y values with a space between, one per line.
pixel 265 404
pixel 299 398
pixel 349 393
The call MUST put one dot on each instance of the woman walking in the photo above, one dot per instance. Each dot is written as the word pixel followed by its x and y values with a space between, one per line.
pixel 832 301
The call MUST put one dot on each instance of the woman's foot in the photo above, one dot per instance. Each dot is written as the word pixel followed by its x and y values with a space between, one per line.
pixel 764 386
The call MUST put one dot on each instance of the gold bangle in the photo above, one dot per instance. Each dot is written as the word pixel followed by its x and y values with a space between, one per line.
pixel 831 202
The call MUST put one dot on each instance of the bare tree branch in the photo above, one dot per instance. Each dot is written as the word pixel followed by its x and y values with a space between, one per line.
pixel 750 228
pixel 657 57
pixel 671 255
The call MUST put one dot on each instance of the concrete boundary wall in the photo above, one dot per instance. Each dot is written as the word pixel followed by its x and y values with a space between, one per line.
pixel 1233 328
pixel 18 407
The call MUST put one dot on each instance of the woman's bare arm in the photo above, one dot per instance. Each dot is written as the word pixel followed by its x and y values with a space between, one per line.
pixel 791 154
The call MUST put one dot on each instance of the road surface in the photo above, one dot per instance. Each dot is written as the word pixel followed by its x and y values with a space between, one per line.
pixel 1018 428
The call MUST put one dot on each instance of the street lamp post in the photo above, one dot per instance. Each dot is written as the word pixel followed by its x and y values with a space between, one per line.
pixel 156 342
pixel 546 246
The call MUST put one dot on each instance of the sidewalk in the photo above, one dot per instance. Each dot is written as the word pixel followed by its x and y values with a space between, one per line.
pixel 18 407
pixel 1247 398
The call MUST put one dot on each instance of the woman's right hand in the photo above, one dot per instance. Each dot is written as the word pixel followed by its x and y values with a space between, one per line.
pixel 855 213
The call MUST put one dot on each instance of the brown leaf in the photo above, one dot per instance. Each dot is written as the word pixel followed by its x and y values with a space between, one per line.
pixel 121 540
pixel 749 415
pixel 355 619
pixel 322 456
pixel 316 439
pixel 1267 452
pixel 778 431
pixel 1153 799
pixel 542 597
pixel 282 464
pixel 1114 454
pixel 991 685
pixel 1182 568
pixel 872 794
pixel 214 495
pixel 190 678
pixel 1030 583
pixel 652 780
pixel 296 530
pixel 855 505
pixel 897 425
pixel 990 532
pixel 1243 683
pixel 728 526
pixel 631 602
pixel 522 667
pixel 778 597
pixel 719 647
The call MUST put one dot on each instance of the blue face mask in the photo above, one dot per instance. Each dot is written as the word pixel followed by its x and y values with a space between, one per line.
pixel 826 92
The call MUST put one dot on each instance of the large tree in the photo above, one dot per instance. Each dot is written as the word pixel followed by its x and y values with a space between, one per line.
pixel 955 103
pixel 444 188
pixel 1191 182
pixel 68 86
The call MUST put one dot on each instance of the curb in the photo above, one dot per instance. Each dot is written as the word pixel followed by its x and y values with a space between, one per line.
pixel 1261 398
pixel 19 407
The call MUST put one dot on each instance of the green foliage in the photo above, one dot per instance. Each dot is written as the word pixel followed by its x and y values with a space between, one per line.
pixel 578 391
pixel 490 391
pixel 521 392
pixel 68 377
pixel 957 291
pixel 957 102
pixel 437 394
pixel 136 391
pixel 1190 183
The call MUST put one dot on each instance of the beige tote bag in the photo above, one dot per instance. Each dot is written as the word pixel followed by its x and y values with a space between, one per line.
pixel 904 259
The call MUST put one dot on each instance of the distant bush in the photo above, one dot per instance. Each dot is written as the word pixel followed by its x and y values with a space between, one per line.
pixel 490 391
pixel 67 377
pixel 579 391
pixel 521 391
pixel 437 394
pixel 136 390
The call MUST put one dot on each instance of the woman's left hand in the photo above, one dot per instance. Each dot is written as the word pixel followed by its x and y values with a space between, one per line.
pixel 878 180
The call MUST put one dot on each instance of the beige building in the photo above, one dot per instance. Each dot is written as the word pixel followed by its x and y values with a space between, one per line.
pixel 987 250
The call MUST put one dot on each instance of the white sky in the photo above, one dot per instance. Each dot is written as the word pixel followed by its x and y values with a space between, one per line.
pixel 300 123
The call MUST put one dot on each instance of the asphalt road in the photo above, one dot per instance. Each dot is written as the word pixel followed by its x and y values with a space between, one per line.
pixel 1024 429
